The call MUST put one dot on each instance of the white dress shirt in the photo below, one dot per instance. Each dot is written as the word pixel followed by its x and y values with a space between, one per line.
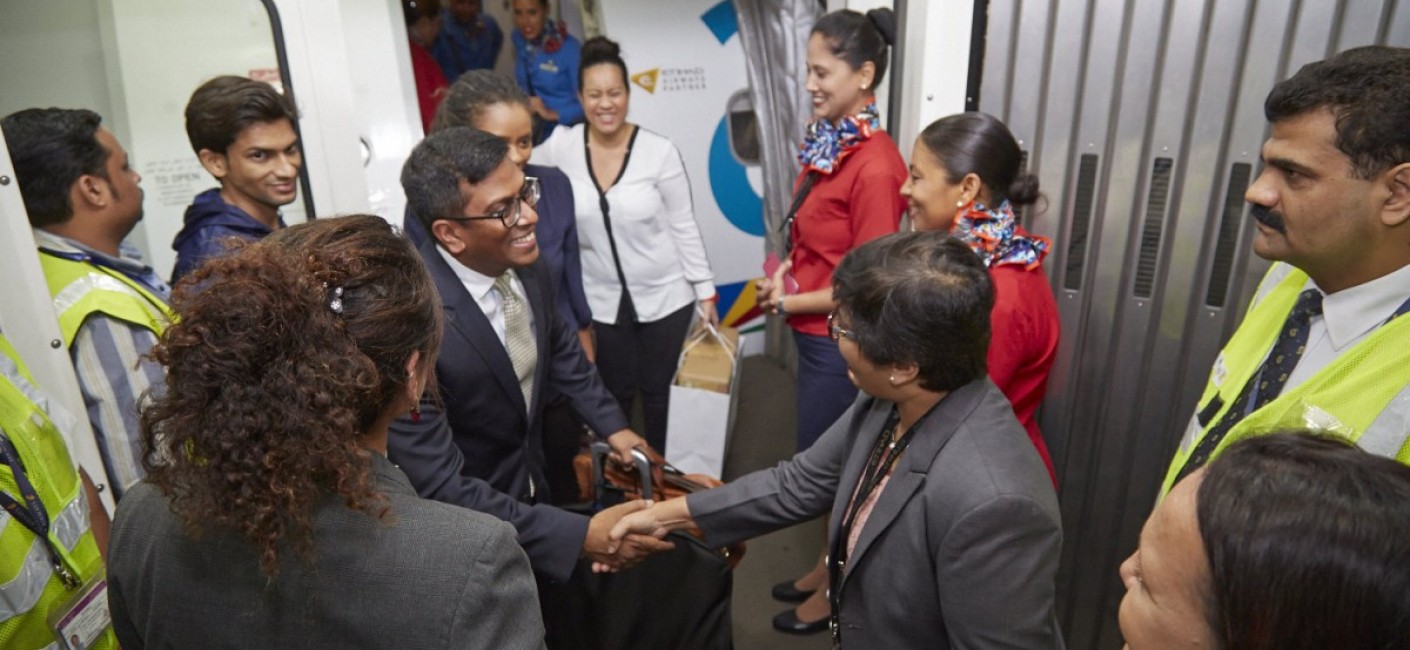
pixel 481 288
pixel 653 222
pixel 1348 317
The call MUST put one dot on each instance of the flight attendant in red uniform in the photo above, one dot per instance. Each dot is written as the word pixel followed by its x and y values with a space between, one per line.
pixel 965 179
pixel 846 195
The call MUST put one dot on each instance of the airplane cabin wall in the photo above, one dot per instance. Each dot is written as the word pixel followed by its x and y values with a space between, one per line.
pixel 1144 122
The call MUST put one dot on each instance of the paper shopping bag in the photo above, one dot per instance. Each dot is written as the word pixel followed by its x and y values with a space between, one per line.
pixel 702 407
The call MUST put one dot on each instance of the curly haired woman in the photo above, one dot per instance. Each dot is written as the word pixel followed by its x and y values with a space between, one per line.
pixel 270 516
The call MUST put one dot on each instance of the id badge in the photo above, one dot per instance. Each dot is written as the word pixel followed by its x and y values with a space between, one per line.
pixel 83 620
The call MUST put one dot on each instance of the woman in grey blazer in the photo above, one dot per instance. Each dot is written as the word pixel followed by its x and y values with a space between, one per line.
pixel 270 516
pixel 945 528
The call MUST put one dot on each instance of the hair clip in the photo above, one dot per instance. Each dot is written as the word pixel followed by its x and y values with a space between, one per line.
pixel 336 304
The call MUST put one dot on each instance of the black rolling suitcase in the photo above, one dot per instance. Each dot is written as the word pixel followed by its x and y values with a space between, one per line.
pixel 676 600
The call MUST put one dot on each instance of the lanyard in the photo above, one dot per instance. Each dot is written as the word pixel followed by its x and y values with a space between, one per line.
pixel 786 228
pixel 31 513
pixel 89 259
pixel 884 454
pixel 1400 311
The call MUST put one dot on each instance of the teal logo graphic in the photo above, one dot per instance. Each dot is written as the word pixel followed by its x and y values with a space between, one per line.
pixel 741 205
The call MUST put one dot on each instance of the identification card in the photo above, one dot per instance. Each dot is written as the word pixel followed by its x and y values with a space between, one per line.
pixel 81 622
pixel 1220 371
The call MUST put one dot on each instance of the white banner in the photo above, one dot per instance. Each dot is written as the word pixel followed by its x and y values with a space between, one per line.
pixel 687 73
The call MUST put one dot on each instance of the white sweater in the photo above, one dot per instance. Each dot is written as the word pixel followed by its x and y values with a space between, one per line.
pixel 653 222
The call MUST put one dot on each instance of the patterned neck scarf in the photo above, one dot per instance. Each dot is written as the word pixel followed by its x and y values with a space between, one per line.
pixel 826 144
pixel 551 37
pixel 993 234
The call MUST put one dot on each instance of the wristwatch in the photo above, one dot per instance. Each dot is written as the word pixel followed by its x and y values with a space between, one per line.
pixel 778 306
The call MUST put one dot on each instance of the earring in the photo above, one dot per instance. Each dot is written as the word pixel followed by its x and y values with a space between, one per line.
pixel 893 379
pixel 416 414
pixel 959 204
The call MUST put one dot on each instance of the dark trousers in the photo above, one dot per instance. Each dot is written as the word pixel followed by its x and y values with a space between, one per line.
pixel 562 440
pixel 824 391
pixel 568 617
pixel 635 356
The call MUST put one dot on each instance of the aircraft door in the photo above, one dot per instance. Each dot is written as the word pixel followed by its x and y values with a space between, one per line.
pixel 1144 122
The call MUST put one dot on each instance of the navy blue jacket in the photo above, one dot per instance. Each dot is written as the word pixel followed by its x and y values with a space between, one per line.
pixel 460 48
pixel 480 445
pixel 209 222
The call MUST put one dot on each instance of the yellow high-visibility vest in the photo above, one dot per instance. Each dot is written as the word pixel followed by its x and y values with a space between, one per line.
pixel 80 289
pixel 1363 395
pixel 29 587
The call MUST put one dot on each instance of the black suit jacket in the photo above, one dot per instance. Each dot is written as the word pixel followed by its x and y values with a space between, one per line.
pixel 482 446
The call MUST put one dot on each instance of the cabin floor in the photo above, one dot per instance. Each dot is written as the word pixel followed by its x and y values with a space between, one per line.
pixel 763 436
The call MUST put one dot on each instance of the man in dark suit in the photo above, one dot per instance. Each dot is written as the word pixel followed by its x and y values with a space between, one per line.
pixel 479 443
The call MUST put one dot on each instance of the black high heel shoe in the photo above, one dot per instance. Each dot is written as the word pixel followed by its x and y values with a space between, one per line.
pixel 788 622
pixel 786 592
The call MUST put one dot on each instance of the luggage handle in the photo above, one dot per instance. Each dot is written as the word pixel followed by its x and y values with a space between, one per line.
pixel 672 478
pixel 600 451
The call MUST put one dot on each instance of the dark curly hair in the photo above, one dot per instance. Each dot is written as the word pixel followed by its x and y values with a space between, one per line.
pixel 1367 89
pixel 921 298
pixel 270 389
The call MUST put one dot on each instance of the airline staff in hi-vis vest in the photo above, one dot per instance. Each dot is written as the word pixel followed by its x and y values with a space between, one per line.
pixel 1323 345
pixel 50 560
pixel 83 198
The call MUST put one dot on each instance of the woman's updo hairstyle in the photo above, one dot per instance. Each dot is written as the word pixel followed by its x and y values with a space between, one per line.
pixel 466 99
pixel 598 50
pixel 980 144
pixel 858 38
pixel 282 356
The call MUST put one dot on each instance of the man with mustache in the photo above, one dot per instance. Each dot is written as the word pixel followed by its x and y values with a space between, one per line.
pixel 1324 344
pixel 243 132
pixel 83 199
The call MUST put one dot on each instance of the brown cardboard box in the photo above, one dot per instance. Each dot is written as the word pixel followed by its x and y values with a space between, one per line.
pixel 708 365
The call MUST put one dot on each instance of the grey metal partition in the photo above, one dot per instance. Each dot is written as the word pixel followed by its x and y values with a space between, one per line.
pixel 1144 120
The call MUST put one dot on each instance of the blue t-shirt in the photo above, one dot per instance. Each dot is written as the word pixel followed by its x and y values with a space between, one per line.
pixel 550 76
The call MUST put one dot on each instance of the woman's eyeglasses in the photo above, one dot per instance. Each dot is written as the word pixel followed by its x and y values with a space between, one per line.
pixel 509 215
pixel 836 331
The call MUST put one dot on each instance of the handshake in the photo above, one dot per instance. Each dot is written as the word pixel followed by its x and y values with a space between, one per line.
pixel 625 534
pixel 622 536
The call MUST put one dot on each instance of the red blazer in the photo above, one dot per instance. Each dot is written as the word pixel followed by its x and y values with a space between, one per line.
pixel 430 83
pixel 858 202
pixel 1024 343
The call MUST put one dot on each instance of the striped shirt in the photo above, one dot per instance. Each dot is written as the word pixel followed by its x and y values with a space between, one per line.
pixel 113 375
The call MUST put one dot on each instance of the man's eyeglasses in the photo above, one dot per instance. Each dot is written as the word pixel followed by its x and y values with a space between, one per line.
pixel 836 331
pixel 509 215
